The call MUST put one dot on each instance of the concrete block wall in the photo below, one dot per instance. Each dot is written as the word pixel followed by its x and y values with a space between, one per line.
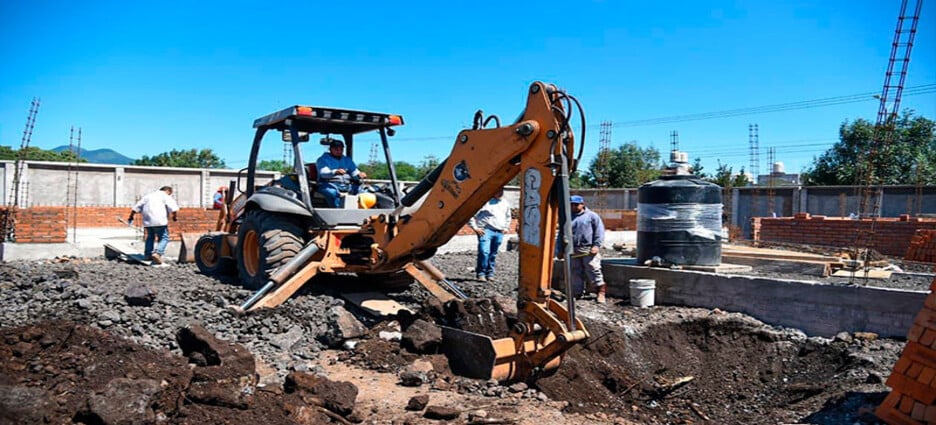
pixel 891 235
pixel 817 309
pixel 912 399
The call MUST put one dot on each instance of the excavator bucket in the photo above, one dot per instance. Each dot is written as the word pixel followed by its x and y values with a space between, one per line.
pixel 478 356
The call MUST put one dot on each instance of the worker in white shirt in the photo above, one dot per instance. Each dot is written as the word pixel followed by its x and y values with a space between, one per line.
pixel 490 223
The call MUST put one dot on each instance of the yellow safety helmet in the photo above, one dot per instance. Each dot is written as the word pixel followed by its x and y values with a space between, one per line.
pixel 366 201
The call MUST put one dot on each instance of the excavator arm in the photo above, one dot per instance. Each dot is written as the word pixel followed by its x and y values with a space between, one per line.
pixel 538 147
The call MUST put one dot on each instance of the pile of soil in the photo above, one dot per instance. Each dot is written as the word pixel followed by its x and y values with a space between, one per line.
pixel 652 365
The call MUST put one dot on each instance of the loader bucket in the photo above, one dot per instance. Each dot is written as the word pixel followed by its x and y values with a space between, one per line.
pixel 478 356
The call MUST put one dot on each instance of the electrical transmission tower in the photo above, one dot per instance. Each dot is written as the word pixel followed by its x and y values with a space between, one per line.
pixel 287 155
pixel 771 181
pixel 754 144
pixel 71 187
pixel 870 171
pixel 372 156
pixel 15 198
pixel 602 165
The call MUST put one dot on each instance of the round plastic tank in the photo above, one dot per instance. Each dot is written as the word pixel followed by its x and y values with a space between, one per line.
pixel 778 168
pixel 679 220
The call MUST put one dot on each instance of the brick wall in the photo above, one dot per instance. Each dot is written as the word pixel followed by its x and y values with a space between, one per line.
pixel 50 224
pixel 891 235
pixel 912 399
pixel 618 219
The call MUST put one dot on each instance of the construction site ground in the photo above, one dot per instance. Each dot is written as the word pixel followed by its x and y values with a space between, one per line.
pixel 95 341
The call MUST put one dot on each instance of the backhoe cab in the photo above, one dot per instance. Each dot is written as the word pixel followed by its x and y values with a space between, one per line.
pixel 278 237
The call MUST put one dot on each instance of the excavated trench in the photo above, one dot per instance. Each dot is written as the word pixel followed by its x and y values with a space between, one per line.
pixel 724 368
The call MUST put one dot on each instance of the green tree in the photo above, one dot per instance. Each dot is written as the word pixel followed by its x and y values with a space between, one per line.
pixel 404 171
pixel 275 165
pixel 909 157
pixel 429 163
pixel 191 158
pixel 696 169
pixel 33 153
pixel 725 177
pixel 627 166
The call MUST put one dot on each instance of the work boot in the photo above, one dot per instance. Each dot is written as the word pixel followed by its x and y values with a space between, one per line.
pixel 601 293
pixel 157 259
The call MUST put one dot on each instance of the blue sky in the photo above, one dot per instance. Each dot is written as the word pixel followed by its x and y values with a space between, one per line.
pixel 146 77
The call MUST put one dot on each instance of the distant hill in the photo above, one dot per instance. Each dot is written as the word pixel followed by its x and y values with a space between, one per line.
pixel 100 156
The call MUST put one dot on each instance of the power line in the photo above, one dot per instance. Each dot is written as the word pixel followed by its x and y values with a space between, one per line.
pixel 781 107
pixel 805 104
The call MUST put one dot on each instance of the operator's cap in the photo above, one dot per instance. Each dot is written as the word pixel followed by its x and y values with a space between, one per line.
pixel 335 143
pixel 576 199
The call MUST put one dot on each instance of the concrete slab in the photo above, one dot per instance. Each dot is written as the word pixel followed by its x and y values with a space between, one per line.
pixel 83 243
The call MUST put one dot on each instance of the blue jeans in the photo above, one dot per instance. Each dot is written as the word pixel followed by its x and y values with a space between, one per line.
pixel 161 232
pixel 332 192
pixel 488 244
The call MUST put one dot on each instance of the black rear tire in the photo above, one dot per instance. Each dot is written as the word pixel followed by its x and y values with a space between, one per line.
pixel 266 241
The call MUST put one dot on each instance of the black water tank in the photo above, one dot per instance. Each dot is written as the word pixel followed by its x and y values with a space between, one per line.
pixel 679 220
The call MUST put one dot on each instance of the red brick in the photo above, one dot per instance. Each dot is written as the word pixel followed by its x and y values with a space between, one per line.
pixel 906 404
pixel 926 376
pixel 894 417
pixel 910 389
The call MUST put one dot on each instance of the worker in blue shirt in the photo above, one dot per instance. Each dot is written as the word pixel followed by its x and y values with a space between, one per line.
pixel 337 174
pixel 587 236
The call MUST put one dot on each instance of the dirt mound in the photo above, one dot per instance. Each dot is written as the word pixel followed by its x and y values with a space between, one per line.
pixel 61 372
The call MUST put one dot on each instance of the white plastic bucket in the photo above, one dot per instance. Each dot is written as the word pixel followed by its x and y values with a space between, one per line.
pixel 641 292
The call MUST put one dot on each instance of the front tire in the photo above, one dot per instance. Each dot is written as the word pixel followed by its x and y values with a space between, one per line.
pixel 208 256
pixel 266 241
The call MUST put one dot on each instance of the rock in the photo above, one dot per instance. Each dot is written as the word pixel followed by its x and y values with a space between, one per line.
pixel 874 378
pixel 866 336
pixel 339 397
pixel 843 337
pixel 236 359
pixel 125 401
pixel 83 304
pixel 441 412
pixel 342 326
pixel 418 402
pixel 519 387
pixel 390 336
pixel 477 415
pixel 110 315
pixel 22 404
pixel 230 372
pixel 287 340
pixel 139 294
pixel 422 337
pixel 410 378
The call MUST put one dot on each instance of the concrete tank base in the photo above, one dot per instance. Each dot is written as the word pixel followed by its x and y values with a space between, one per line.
pixel 815 308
